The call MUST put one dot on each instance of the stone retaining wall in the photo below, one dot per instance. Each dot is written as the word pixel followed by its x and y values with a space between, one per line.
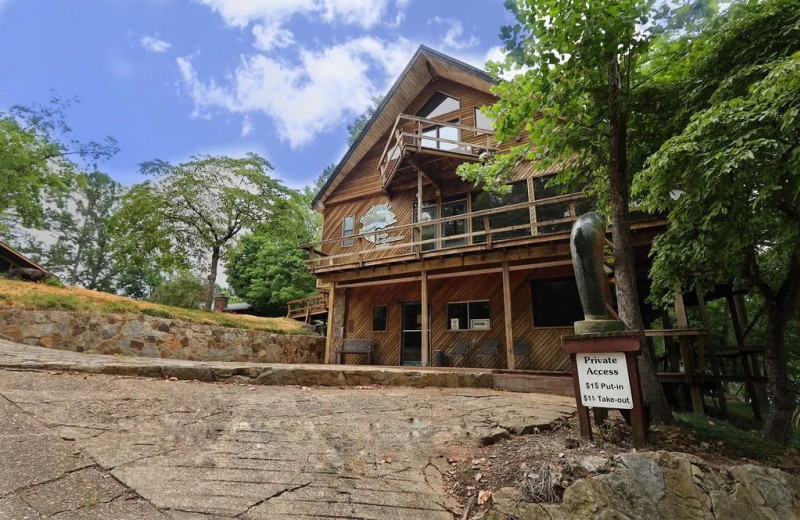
pixel 147 336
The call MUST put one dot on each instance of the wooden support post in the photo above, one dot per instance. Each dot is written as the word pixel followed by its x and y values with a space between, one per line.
pixel 584 421
pixel 511 362
pixel 638 420
pixel 425 324
pixel 329 333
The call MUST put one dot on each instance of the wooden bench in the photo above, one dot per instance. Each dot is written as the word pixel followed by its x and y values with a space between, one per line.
pixel 355 346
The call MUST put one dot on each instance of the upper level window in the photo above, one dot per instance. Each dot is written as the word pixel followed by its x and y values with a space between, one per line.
pixel 483 121
pixel 441 137
pixel 440 103
pixel 348 230
pixel 484 200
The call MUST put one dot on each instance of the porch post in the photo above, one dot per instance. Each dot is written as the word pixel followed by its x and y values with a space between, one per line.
pixel 508 318
pixel 425 324
pixel 329 333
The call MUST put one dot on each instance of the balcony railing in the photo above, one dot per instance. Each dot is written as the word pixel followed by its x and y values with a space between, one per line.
pixel 305 308
pixel 485 229
pixel 408 134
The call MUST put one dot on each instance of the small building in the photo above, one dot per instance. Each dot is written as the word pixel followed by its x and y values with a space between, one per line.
pixel 11 258
pixel 425 267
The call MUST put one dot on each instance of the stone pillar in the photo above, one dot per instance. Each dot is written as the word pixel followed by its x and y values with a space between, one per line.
pixel 220 303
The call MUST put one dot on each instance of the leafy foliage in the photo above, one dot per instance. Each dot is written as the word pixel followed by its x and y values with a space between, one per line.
pixel 186 290
pixel 35 158
pixel 79 221
pixel 191 211
pixel 267 268
pixel 355 128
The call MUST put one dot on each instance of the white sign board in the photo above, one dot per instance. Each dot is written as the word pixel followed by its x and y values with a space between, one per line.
pixel 604 380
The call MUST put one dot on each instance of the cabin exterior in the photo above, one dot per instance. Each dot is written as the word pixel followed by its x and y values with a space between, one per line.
pixel 408 247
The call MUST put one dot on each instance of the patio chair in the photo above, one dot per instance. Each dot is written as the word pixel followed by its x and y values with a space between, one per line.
pixel 460 352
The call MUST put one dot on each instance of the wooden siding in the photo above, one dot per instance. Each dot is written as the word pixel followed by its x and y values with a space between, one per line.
pixel 545 352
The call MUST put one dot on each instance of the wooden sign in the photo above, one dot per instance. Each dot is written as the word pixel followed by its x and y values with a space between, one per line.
pixel 604 380
pixel 605 375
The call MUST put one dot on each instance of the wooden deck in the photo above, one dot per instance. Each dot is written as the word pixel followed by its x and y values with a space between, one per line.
pixel 306 308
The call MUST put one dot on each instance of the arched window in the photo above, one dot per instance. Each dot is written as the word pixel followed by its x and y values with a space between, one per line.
pixel 440 103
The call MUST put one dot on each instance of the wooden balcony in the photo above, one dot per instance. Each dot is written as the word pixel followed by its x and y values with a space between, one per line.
pixel 417 135
pixel 305 308
pixel 497 228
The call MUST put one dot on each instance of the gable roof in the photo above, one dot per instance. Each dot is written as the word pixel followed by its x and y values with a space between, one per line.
pixel 425 66
pixel 17 258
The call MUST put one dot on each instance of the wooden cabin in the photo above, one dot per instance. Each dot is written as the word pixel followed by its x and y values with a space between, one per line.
pixel 409 247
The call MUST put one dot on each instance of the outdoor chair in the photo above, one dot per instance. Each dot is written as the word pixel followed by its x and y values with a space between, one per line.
pixel 488 348
pixel 460 352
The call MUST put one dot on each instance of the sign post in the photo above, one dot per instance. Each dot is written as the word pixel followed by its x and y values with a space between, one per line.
pixel 603 353
pixel 605 375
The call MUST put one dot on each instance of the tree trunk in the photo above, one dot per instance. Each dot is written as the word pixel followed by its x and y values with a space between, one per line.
pixel 784 306
pixel 778 425
pixel 212 278
pixel 624 269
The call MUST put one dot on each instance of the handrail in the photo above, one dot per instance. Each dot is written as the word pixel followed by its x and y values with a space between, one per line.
pixel 473 214
pixel 415 245
pixel 398 135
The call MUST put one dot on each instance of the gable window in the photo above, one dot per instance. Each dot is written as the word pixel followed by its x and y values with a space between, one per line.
pixel 379 315
pixel 482 200
pixel 435 134
pixel 439 104
pixel 348 230
pixel 483 121
pixel 556 302
pixel 469 315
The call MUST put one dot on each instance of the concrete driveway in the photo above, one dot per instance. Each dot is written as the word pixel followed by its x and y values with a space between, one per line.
pixel 85 446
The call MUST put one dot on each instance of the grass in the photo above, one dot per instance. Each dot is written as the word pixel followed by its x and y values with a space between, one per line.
pixel 727 439
pixel 26 295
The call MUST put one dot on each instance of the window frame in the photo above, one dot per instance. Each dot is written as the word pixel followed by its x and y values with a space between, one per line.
pixel 385 318
pixel 438 135
pixel 475 120
pixel 347 240
pixel 456 110
pixel 469 327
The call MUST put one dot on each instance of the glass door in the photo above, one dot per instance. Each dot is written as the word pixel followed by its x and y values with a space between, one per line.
pixel 411 353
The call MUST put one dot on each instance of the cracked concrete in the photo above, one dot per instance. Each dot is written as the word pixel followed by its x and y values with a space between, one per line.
pixel 85 446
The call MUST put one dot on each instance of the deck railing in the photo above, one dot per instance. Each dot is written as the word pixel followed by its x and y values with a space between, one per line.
pixel 407 135
pixel 406 242
pixel 305 308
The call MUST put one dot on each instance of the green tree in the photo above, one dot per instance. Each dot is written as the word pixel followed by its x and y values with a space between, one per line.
pixel 355 128
pixel 191 212
pixel 267 268
pixel 37 158
pixel 79 222
pixel 730 180
pixel 580 62
pixel 186 290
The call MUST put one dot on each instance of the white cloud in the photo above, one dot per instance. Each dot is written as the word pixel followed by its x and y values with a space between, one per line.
pixel 269 36
pixel 247 126
pixel 304 98
pixel 153 44
pixel 240 13
pixel 454 37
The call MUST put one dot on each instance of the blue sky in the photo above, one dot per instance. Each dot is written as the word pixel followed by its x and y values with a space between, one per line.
pixel 172 78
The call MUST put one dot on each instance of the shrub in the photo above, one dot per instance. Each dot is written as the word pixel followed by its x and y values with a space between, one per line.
pixel 186 290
